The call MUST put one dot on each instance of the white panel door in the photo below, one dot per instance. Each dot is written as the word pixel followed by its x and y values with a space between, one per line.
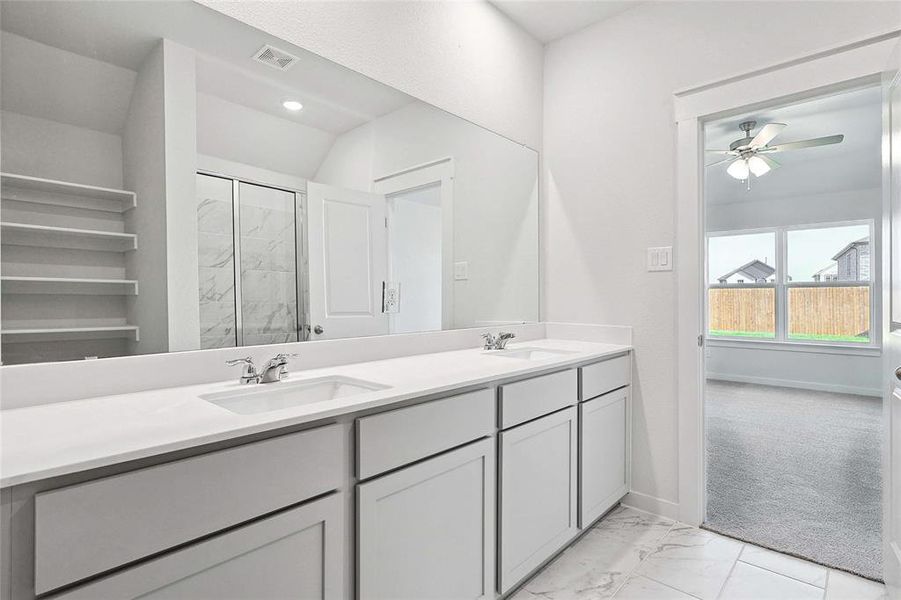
pixel 348 258
pixel 603 476
pixel 892 405
pixel 427 531
pixel 294 554
pixel 537 493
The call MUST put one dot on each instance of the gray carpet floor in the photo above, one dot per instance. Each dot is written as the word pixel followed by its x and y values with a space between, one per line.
pixel 797 471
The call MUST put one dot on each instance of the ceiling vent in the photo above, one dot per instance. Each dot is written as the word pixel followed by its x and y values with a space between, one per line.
pixel 275 58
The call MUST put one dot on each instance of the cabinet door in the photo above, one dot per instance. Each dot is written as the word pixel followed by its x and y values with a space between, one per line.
pixel 295 554
pixel 537 493
pixel 428 531
pixel 602 454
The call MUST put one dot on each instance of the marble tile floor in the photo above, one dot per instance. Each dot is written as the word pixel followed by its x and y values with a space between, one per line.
pixel 633 555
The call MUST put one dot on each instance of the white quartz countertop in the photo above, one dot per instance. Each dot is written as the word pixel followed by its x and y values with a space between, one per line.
pixel 67 437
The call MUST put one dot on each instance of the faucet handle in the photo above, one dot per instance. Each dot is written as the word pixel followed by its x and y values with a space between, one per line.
pixel 286 355
pixel 490 340
pixel 237 361
pixel 249 372
pixel 505 335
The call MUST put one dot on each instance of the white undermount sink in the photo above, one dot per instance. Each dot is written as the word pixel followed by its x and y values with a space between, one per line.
pixel 265 397
pixel 528 353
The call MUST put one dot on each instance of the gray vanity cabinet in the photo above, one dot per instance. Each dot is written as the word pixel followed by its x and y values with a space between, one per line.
pixel 602 451
pixel 604 416
pixel 428 530
pixel 537 506
pixel 295 554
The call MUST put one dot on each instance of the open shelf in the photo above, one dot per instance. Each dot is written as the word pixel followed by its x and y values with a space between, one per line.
pixel 130 332
pixel 23 234
pixel 68 285
pixel 37 190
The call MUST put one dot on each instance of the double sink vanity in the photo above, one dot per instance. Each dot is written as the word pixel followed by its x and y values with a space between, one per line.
pixel 452 474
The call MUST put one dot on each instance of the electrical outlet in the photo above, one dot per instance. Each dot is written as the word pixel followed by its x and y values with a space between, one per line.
pixel 660 258
pixel 461 271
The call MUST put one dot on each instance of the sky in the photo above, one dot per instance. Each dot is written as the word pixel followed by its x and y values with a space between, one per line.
pixel 809 250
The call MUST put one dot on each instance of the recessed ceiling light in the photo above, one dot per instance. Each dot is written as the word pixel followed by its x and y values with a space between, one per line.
pixel 292 105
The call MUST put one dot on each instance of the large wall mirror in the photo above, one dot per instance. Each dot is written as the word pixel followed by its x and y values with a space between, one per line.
pixel 174 179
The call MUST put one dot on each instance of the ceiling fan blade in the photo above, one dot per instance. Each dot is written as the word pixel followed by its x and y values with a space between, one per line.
pixel 769 161
pixel 823 141
pixel 729 152
pixel 766 135
pixel 719 162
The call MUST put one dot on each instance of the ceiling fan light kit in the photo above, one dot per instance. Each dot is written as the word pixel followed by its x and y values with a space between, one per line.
pixel 739 169
pixel 748 155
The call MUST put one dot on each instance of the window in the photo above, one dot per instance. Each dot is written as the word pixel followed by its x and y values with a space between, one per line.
pixel 741 278
pixel 808 284
pixel 829 284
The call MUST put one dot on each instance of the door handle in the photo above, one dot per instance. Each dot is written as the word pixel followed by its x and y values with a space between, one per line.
pixel 898 373
pixel 317 329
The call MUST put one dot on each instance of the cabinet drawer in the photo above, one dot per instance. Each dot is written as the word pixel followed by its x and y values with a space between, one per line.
pixel 297 553
pixel 395 438
pixel 605 376
pixel 531 398
pixel 91 527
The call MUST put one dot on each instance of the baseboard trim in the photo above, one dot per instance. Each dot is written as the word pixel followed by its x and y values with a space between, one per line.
pixel 652 504
pixel 803 385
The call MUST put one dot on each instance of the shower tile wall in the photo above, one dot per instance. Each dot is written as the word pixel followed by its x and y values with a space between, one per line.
pixel 215 248
pixel 268 270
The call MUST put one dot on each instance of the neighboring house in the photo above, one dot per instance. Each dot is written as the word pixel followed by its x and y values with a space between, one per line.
pixel 829 273
pixel 853 261
pixel 755 271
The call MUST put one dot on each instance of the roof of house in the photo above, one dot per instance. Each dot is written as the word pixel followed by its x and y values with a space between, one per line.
pixel 828 270
pixel 756 270
pixel 861 242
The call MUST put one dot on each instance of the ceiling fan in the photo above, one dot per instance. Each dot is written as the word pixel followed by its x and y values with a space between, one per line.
pixel 749 154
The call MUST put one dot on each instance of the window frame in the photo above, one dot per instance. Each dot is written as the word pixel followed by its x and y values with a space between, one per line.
pixel 781 286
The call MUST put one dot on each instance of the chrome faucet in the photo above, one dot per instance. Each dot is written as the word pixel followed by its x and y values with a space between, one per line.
pixel 275 368
pixel 497 341
pixel 273 371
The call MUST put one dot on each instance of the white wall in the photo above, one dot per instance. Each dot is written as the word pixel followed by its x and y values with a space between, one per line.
pixel 160 165
pixel 464 57
pixel 495 202
pixel 145 174
pixel 180 86
pixel 44 148
pixel 244 135
pixel 796 210
pixel 610 170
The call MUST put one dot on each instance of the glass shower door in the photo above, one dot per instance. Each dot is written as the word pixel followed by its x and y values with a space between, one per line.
pixel 216 262
pixel 267 252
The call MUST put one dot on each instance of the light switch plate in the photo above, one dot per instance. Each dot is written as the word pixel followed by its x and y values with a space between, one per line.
pixel 660 258
pixel 461 270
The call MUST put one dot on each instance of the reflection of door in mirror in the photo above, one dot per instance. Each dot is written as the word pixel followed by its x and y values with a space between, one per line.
pixel 348 262
pixel 414 258
pixel 252 226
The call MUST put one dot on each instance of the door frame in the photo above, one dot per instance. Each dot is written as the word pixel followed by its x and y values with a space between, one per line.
pixel 841 68
pixel 441 172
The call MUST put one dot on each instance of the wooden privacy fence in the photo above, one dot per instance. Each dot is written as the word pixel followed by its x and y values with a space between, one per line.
pixel 748 309
pixel 838 311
